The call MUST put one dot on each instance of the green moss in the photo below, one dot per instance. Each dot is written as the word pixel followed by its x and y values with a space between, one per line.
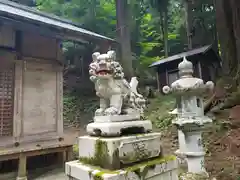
pixel 75 151
pixel 140 169
pixel 150 164
pixel 116 160
pixel 137 156
pixel 97 177
pixel 100 158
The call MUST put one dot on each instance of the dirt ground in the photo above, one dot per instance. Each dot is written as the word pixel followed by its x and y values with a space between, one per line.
pixel 50 175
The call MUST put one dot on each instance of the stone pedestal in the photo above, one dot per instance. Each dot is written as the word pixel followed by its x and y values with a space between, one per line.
pixel 121 145
pixel 122 158
pixel 117 128
pixel 114 153
pixel 157 169
pixel 129 157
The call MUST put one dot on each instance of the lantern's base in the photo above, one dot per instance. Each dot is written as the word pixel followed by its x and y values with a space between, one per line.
pixel 181 157
pixel 192 176
pixel 21 178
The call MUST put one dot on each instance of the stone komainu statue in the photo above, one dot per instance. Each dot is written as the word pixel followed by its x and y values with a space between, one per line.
pixel 117 96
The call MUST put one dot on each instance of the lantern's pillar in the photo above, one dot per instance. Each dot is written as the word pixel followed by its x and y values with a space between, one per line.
pixel 181 140
pixel 190 119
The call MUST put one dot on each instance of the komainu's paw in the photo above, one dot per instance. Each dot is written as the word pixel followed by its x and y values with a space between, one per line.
pixel 99 112
pixel 111 111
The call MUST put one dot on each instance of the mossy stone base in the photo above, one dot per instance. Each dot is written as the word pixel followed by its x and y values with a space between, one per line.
pixel 156 169
pixel 117 152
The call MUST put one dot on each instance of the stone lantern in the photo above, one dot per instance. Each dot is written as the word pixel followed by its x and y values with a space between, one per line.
pixel 190 119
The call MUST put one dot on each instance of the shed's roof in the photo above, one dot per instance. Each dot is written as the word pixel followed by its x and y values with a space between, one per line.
pixel 15 10
pixel 196 51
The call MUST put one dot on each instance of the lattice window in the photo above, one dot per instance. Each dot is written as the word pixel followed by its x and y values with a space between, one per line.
pixel 6 101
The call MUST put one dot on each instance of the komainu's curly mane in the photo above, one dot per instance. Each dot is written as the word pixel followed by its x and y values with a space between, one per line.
pixel 114 91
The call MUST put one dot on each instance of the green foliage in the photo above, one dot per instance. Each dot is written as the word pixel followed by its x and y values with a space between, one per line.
pixel 95 15
pixel 100 17
pixel 158 111
pixel 78 108
pixel 71 110
pixel 145 22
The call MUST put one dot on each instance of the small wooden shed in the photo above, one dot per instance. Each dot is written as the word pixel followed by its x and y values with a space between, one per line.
pixel 206 64
pixel 31 82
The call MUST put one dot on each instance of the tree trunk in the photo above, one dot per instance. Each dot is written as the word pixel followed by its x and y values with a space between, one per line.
pixel 123 32
pixel 235 10
pixel 165 24
pixel 226 37
pixel 188 23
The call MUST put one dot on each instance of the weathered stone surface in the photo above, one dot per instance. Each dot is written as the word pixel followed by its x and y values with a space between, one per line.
pixel 190 120
pixel 119 128
pixel 116 95
pixel 112 153
pixel 158 169
pixel 117 118
pixel 190 176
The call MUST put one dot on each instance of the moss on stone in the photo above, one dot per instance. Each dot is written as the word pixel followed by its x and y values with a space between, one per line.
pixel 100 158
pixel 191 176
pixel 137 156
pixel 97 177
pixel 150 163
pixel 140 169
pixel 115 159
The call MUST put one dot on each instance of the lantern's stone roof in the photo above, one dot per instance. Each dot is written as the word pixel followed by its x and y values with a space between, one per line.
pixel 185 67
pixel 187 83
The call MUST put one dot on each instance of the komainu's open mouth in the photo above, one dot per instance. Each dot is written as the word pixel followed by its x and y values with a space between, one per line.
pixel 103 72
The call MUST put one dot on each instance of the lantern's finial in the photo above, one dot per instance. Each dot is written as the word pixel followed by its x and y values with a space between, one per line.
pixel 185 68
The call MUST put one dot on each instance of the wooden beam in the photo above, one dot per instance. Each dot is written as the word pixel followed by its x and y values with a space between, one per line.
pixel 44 31
pixel 54 32
pixel 34 153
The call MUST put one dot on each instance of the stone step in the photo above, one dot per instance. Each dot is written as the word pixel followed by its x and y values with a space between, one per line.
pixel 158 169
